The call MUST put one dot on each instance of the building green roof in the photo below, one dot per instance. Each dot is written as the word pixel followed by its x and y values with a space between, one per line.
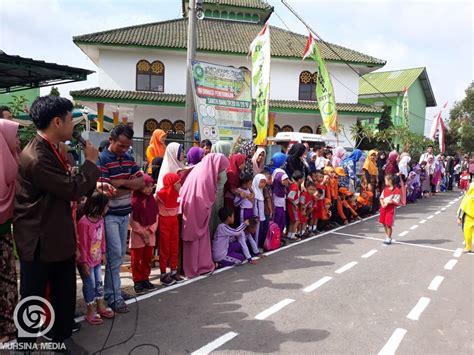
pixel 221 36
pixel 148 97
pixel 252 4
pixel 390 82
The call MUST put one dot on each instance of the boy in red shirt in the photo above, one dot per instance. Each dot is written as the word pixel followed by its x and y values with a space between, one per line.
pixel 293 205
pixel 389 199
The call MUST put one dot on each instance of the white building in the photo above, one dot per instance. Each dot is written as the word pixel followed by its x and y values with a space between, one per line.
pixel 142 69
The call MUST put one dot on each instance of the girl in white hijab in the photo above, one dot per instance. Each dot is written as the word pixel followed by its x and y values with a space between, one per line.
pixel 172 162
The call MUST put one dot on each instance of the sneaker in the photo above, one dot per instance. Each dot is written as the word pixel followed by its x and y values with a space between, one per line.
pixel 387 241
pixel 119 307
pixel 167 280
pixel 76 326
pixel 139 288
pixel 177 278
pixel 147 285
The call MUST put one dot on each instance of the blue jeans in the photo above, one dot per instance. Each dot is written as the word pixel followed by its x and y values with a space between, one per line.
pixel 116 228
pixel 92 286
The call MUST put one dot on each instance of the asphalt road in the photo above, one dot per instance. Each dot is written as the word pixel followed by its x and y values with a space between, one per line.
pixel 342 292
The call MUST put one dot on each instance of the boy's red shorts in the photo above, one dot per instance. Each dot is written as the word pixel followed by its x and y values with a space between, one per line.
pixel 387 217
pixel 318 209
pixel 294 213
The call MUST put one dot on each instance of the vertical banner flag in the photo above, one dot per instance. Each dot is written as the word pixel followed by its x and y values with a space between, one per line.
pixel 324 90
pixel 260 51
pixel 439 127
pixel 405 106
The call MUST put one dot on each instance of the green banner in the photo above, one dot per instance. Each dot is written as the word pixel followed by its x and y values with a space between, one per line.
pixel 324 90
pixel 223 101
pixel 406 106
pixel 260 49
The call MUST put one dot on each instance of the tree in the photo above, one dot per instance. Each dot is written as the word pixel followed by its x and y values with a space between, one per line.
pixel 460 135
pixel 385 119
pixel 54 91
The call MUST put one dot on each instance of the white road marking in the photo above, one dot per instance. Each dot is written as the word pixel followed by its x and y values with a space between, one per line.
pixel 317 284
pixel 435 283
pixel 393 343
pixel 437 212
pixel 414 227
pixel 397 242
pixel 423 221
pixel 458 253
pixel 369 254
pixel 450 264
pixel 213 345
pixel 273 309
pixel 415 313
pixel 443 209
pixel 429 217
pixel 346 267
pixel 402 234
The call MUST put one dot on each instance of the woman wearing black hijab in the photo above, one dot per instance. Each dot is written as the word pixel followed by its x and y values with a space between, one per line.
pixel 295 160
pixel 381 162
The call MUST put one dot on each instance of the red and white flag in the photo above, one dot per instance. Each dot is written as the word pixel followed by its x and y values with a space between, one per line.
pixel 439 127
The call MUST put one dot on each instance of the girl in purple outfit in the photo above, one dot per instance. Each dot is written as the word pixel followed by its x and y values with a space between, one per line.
pixel 280 183
pixel 245 198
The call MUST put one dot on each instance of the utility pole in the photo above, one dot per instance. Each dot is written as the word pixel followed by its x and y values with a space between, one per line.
pixel 191 55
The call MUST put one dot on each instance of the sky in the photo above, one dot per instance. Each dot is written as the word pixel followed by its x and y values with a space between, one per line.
pixel 434 34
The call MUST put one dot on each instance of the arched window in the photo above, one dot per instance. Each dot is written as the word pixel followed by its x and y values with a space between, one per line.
pixel 150 77
pixel 240 16
pixel 216 14
pixel 165 125
pixel 307 88
pixel 232 15
pixel 149 126
pixel 254 131
pixel 306 129
pixel 255 18
pixel 224 14
pixel 248 17
pixel 287 128
pixel 208 13
pixel 276 129
pixel 319 130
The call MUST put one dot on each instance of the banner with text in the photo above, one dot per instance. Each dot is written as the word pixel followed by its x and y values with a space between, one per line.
pixel 223 101
pixel 260 49
pixel 324 90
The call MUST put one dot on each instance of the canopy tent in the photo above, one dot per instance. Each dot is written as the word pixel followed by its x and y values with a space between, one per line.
pixel 78 116
pixel 19 73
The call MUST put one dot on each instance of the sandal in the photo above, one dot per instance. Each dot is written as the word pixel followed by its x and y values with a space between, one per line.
pixel 107 313
pixel 94 319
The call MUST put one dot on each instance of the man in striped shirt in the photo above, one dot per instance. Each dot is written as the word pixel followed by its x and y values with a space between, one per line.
pixel 119 169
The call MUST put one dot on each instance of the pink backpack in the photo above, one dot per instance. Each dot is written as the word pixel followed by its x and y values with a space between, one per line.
pixel 273 238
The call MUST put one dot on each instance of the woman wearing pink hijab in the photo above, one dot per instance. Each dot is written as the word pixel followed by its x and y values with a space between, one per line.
pixel 339 154
pixel 8 171
pixel 197 197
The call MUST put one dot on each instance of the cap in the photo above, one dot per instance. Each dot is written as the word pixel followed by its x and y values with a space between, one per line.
pixel 345 191
pixel 340 171
pixel 328 170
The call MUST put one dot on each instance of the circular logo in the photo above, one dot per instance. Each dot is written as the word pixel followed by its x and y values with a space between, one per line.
pixel 199 71
pixel 33 316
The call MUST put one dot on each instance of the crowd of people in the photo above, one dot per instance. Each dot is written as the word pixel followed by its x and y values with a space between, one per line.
pixel 216 205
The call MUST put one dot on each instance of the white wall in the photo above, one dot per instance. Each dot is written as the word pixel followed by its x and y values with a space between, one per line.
pixel 117 71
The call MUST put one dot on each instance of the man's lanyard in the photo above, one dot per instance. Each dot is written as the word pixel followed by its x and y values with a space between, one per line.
pixel 58 155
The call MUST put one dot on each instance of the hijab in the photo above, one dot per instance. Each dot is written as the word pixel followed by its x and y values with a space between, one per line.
pixel 156 167
pixel 403 165
pixel 171 162
pixel 278 188
pixel 233 171
pixel 354 156
pixel 257 190
pixel 339 154
pixel 145 208
pixel 381 161
pixel 156 148
pixel 258 168
pixel 277 161
pixel 8 167
pixel 168 194
pixel 198 194
pixel 370 165
pixel 222 147
pixel 294 161
pixel 467 203
pixel 195 155
pixel 392 166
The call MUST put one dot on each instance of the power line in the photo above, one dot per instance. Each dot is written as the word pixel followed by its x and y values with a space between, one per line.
pixel 328 45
